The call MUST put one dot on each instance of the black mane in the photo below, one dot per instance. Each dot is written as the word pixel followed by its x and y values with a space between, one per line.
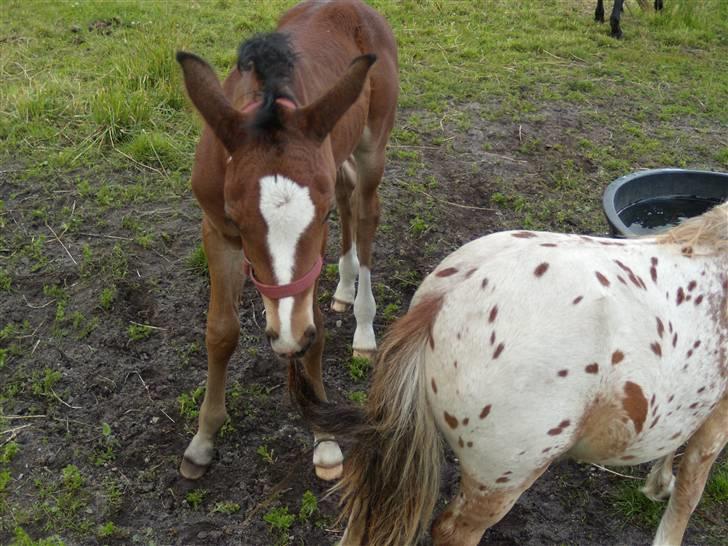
pixel 272 57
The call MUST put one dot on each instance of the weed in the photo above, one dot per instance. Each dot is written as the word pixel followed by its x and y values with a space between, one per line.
pixel 104 448
pixel 42 385
pixel 358 397
pixel 358 368
pixel 197 260
pixel 717 487
pixel 185 353
pixel 107 530
pixel 5 280
pixel 634 505
pixel 390 312
pixel 138 332
pixel 107 297
pixel 225 507
pixel 8 451
pixel 266 454
pixel 5 478
pixel 722 156
pixel 112 495
pixel 280 521
pixel 62 502
pixel 309 505
pixel 194 497
pixel 188 403
pixel 22 538
pixel 418 225
pixel 331 272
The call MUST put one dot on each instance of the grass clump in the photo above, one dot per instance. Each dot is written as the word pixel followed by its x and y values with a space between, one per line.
pixel 188 403
pixel 225 507
pixel 633 505
pixel 194 497
pixel 309 505
pixel 359 368
pixel 280 522
pixel 197 260
pixel 139 332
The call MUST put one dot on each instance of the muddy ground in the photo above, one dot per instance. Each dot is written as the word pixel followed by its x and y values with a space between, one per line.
pixel 431 205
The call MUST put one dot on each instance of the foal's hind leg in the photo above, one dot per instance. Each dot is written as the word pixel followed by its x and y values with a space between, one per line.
pixel 225 263
pixel 348 262
pixel 370 167
pixel 599 12
pixel 701 452
pixel 475 509
pixel 660 481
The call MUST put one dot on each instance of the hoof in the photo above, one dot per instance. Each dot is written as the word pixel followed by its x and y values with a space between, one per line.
pixel 330 473
pixel 339 306
pixel 364 353
pixel 659 491
pixel 190 470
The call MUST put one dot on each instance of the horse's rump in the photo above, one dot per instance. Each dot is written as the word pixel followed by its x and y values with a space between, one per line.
pixel 551 344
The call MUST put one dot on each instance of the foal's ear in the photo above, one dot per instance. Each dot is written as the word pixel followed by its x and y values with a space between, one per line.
pixel 207 95
pixel 319 118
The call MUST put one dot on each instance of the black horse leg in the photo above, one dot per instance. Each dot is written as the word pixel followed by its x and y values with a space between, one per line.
pixel 614 19
pixel 599 12
pixel 658 5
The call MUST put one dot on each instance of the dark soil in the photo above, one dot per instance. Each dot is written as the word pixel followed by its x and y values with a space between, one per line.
pixel 133 385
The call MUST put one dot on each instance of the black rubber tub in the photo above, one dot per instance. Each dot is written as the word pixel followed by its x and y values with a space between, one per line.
pixel 648 202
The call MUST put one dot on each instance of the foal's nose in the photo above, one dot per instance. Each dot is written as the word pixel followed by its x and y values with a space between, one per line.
pixel 288 348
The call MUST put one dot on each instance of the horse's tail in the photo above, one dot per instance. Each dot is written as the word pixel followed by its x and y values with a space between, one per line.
pixel 391 477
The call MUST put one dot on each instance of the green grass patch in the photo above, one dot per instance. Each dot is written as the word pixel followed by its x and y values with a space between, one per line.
pixel 195 497
pixel 359 368
pixel 633 505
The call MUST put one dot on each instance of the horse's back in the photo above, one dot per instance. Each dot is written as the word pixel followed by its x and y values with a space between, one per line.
pixel 550 344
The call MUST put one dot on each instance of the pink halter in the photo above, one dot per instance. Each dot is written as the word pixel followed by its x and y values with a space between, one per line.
pixel 278 291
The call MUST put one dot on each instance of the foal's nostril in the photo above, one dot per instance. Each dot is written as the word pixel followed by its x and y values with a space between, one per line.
pixel 271 335
pixel 310 333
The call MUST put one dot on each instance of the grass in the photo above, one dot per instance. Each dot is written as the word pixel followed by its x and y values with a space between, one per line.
pixel 195 497
pixel 359 368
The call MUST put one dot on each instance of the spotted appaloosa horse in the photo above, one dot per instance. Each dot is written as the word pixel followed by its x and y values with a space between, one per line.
pixel 524 347
pixel 302 122
pixel 615 17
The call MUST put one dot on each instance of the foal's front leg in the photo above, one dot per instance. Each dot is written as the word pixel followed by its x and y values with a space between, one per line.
pixel 225 263
pixel 327 457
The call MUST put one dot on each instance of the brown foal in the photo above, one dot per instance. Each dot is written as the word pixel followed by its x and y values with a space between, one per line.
pixel 300 124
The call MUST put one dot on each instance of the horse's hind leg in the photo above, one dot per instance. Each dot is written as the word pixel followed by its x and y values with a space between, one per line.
pixel 370 167
pixel 599 12
pixel 475 509
pixel 615 18
pixel 660 481
pixel 348 262
pixel 225 263
pixel 701 452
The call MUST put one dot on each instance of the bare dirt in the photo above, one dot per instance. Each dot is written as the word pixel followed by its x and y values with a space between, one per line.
pixel 134 385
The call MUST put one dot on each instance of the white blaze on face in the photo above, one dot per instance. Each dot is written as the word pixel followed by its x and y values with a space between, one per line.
pixel 288 210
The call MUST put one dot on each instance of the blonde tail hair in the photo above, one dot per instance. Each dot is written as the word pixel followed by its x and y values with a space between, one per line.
pixel 391 478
